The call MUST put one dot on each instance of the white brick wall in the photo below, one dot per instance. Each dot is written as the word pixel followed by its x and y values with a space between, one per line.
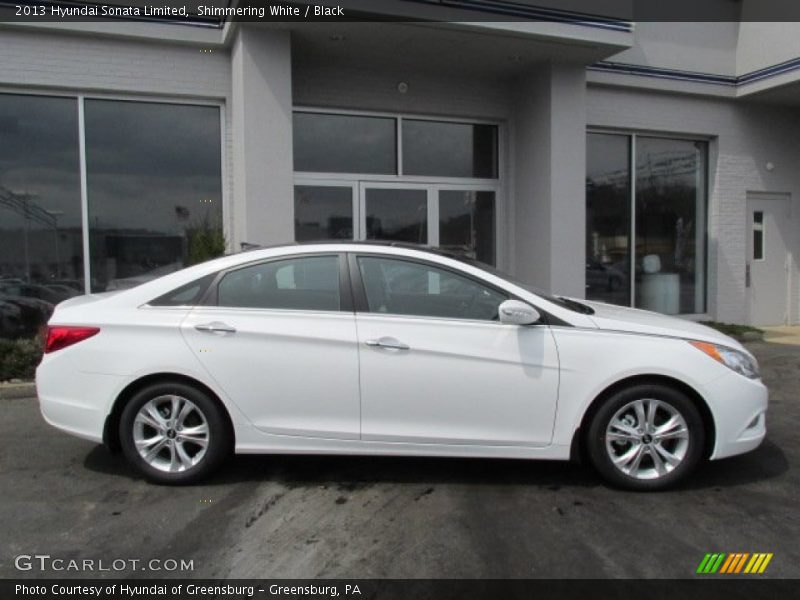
pixel 111 65
pixel 744 137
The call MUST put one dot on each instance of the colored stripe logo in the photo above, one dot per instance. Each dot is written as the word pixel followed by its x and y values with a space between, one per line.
pixel 735 562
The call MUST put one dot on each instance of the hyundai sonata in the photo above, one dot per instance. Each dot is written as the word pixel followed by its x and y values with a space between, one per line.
pixel 391 350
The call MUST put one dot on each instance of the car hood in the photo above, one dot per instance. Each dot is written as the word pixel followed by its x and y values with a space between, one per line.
pixel 620 318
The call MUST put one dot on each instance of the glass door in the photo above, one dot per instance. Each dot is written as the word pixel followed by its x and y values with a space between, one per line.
pixel 397 212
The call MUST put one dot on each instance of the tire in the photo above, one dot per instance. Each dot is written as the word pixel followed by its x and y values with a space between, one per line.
pixel 650 457
pixel 174 450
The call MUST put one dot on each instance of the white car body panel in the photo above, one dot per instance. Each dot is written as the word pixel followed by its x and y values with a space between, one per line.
pixel 461 382
pixel 290 372
pixel 464 388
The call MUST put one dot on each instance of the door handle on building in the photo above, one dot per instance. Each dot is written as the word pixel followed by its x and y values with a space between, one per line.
pixel 387 342
pixel 215 327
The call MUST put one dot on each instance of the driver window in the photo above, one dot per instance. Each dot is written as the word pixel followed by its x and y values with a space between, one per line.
pixel 401 287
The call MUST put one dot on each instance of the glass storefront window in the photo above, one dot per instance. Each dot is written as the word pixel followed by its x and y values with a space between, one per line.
pixel 434 155
pixel 670 225
pixel 444 149
pixel 669 254
pixel 323 213
pixel 608 223
pixel 154 189
pixel 41 257
pixel 397 214
pixel 467 222
pixel 335 143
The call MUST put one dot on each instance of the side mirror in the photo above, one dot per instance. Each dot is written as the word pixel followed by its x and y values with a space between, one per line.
pixel 514 312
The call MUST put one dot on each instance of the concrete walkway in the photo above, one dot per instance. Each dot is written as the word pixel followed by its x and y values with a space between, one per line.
pixel 782 334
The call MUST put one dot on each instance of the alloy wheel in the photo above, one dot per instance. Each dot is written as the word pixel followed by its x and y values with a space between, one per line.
pixel 647 439
pixel 171 433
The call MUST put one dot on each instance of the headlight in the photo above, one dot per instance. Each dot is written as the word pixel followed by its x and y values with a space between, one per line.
pixel 739 361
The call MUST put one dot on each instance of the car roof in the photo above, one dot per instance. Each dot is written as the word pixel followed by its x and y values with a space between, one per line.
pixel 362 243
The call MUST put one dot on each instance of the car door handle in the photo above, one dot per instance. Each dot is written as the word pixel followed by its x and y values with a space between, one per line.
pixel 215 327
pixel 387 342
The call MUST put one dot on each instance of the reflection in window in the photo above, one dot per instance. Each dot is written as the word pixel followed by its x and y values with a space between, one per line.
pixel 399 215
pixel 446 149
pixel 670 225
pixel 323 213
pixel 608 218
pixel 154 187
pixel 41 257
pixel 402 287
pixel 309 283
pixel 344 143
pixel 670 222
pixel 466 223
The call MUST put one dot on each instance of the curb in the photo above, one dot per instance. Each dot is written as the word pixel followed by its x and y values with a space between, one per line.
pixel 751 336
pixel 14 391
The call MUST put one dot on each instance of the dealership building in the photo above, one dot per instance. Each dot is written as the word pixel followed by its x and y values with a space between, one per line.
pixel 647 164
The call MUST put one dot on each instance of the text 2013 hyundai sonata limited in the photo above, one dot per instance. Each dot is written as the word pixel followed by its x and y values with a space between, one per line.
pixel 394 350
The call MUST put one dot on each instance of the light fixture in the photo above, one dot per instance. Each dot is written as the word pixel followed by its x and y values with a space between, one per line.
pixel 402 87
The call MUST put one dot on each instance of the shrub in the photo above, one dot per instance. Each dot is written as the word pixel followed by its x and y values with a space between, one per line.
pixel 206 240
pixel 19 358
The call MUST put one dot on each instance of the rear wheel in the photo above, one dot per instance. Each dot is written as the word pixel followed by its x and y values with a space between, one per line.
pixel 174 433
pixel 646 437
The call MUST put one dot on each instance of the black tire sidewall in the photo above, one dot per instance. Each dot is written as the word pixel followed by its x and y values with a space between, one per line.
pixel 596 436
pixel 219 436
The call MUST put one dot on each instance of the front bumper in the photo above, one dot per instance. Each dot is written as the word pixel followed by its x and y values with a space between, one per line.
pixel 739 406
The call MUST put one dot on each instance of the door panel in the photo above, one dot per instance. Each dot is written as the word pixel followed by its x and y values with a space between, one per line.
pixel 459 382
pixel 768 227
pixel 280 348
pixel 438 367
pixel 290 372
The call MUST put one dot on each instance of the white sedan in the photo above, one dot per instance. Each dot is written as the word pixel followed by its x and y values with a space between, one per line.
pixel 386 349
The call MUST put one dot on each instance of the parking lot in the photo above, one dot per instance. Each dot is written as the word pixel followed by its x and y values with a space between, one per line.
pixel 399 517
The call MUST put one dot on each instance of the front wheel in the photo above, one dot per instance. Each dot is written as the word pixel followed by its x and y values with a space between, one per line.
pixel 173 433
pixel 646 437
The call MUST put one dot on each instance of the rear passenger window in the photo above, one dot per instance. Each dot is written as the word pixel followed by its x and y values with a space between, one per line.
pixel 309 283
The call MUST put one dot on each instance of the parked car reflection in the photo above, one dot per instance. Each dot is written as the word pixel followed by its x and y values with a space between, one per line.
pixel 27 320
pixel 604 277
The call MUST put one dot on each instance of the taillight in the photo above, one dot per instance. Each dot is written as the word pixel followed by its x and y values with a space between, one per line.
pixel 61 336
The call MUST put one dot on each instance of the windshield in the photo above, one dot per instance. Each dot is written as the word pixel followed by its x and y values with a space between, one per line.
pixel 562 302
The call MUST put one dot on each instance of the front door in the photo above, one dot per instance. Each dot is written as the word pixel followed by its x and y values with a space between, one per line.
pixel 768 258
pixel 437 367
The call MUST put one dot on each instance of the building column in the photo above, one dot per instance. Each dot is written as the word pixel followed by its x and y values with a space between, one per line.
pixel 261 107
pixel 550 178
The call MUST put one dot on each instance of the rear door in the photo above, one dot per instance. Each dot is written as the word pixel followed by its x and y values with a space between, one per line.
pixel 279 338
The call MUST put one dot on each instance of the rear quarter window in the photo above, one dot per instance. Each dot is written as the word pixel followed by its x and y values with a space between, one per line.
pixel 189 294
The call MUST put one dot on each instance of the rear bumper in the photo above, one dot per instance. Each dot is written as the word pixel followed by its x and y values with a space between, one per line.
pixel 73 401
pixel 740 408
